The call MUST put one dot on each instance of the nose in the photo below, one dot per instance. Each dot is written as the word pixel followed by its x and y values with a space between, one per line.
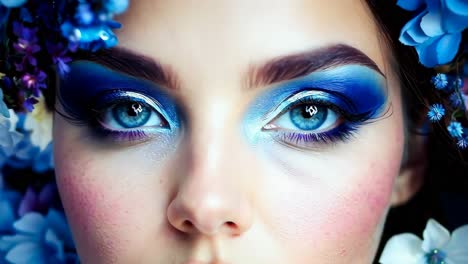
pixel 212 197
pixel 206 205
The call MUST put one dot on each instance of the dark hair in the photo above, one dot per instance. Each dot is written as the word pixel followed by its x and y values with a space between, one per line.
pixel 444 193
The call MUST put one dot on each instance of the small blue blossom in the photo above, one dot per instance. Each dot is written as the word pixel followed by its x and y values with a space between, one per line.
pixel 455 100
pixel 436 31
pixel 440 81
pixel 436 112
pixel 455 129
pixel 457 83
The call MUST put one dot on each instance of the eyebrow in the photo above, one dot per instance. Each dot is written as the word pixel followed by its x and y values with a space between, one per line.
pixel 298 65
pixel 273 71
pixel 133 64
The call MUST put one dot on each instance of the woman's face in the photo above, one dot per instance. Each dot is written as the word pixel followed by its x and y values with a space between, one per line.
pixel 231 131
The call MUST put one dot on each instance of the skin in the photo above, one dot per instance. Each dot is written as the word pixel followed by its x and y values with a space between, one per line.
pixel 214 195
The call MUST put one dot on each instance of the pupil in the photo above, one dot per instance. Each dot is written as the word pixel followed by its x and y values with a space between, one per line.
pixel 308 116
pixel 132 114
pixel 134 109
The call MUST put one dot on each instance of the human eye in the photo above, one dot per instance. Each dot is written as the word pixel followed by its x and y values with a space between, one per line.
pixel 311 118
pixel 129 116
pixel 123 117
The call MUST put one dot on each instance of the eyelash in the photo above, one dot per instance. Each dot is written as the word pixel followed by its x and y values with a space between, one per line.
pixel 92 117
pixel 342 132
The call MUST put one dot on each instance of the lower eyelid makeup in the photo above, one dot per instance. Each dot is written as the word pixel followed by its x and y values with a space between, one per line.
pixel 354 89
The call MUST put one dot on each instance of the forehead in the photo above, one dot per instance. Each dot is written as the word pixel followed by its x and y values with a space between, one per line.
pixel 202 39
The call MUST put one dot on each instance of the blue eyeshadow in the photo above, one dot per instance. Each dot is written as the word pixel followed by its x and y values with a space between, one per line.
pixel 89 84
pixel 355 89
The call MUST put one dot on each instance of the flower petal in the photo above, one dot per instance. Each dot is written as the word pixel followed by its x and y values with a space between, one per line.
pixel 427 52
pixel 431 24
pixel 28 252
pixel 410 5
pixel 459 7
pixel 447 48
pixel 33 223
pixel 403 248
pixel 457 249
pixel 412 34
pixel 435 236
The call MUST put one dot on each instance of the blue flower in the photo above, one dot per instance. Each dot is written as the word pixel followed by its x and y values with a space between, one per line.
pixel 116 6
pixel 455 100
pixel 463 143
pixel 440 81
pixel 84 15
pixel 3 107
pixel 13 3
pixel 9 201
pixel 9 137
pixel 91 38
pixel 436 31
pixel 39 239
pixel 457 83
pixel 455 129
pixel 436 112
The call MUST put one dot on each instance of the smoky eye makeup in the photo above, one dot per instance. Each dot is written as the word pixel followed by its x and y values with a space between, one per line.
pixel 319 109
pixel 115 106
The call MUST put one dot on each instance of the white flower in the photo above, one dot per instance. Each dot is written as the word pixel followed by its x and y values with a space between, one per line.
pixel 39 122
pixel 438 247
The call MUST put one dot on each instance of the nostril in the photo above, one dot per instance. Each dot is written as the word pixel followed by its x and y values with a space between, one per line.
pixel 231 224
pixel 187 225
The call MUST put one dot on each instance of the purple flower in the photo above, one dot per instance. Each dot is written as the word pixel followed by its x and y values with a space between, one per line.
pixel 26 44
pixel 59 56
pixel 34 82
pixel 29 103
pixel 38 202
pixel 436 31
pixel 463 143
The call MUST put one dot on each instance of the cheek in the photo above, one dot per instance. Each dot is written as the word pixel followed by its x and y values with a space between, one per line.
pixel 332 205
pixel 102 194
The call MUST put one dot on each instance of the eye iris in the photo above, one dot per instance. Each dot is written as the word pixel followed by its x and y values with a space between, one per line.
pixel 308 116
pixel 132 114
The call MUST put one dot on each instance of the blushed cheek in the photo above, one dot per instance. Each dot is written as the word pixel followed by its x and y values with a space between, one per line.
pixel 333 221
pixel 100 201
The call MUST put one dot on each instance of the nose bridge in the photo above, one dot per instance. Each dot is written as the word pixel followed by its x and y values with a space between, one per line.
pixel 211 197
